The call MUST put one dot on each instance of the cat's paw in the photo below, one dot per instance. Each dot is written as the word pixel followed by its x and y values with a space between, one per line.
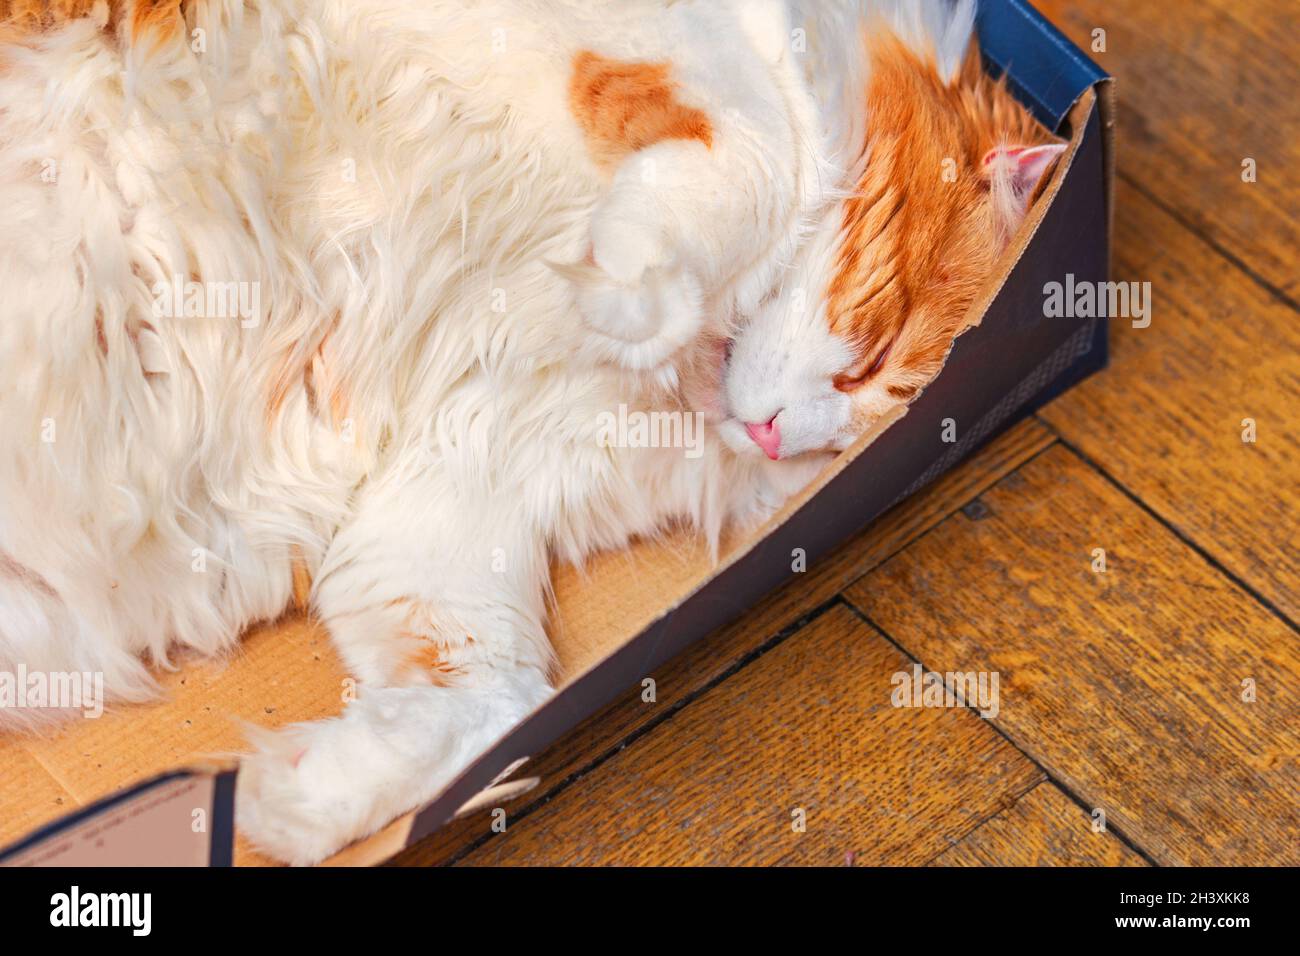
pixel 311 789
pixel 630 233
pixel 639 326
pixel 639 301
pixel 295 799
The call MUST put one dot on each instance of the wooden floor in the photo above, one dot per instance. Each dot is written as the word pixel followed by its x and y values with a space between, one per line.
pixel 1160 697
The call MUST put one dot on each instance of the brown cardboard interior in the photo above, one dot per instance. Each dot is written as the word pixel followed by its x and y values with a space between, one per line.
pixel 287 671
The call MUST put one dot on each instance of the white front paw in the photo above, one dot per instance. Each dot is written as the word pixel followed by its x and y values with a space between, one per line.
pixel 640 326
pixel 638 299
pixel 311 789
pixel 629 236
pixel 293 798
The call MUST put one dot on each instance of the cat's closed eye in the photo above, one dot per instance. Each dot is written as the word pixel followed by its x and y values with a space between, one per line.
pixel 850 381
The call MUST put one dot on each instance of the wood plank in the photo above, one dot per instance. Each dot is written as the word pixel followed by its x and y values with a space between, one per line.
pixel 807 727
pixel 1199 92
pixel 1166 418
pixel 1127 685
pixel 1043 828
pixel 713 657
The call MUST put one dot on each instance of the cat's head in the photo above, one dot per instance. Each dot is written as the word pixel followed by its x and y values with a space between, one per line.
pixel 866 315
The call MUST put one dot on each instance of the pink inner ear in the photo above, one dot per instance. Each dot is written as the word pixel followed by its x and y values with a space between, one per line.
pixel 1026 164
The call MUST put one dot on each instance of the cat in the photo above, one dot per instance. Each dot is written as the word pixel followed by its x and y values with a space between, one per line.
pixel 320 305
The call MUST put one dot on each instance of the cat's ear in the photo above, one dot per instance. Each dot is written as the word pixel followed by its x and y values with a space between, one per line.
pixel 1022 166
pixel 1014 174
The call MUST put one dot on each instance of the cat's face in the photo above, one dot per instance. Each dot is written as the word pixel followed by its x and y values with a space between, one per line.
pixel 865 317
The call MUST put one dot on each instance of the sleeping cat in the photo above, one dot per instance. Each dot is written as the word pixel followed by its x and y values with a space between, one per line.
pixel 322 302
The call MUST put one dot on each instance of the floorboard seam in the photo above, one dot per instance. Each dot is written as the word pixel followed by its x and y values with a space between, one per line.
pixel 1259 598
pixel 1274 291
pixel 659 719
pixel 1060 784
pixel 999 812
pixel 1056 437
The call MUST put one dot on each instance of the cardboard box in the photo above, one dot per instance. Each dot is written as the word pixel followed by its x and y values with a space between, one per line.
pixel 628 612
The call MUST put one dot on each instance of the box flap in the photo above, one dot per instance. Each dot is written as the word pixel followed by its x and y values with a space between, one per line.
pixel 1044 69
pixel 183 818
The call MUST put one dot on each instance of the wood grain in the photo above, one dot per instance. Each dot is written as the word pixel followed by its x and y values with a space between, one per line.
pixel 807 727
pixel 1202 86
pixel 1042 828
pixel 711 659
pixel 1166 418
pixel 1127 685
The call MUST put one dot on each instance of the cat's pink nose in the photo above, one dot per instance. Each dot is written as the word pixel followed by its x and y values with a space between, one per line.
pixel 767 436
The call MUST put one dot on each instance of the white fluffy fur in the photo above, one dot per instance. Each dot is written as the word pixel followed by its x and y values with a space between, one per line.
pixel 441 292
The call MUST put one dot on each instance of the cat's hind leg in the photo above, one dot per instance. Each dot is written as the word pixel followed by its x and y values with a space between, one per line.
pixel 434 599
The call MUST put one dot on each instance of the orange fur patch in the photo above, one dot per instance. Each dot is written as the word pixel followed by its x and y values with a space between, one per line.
pixel 151 18
pixel 423 658
pixel 154 18
pixel 624 106
pixel 919 236
pixel 301 576
pixel 427 663
pixel 33 16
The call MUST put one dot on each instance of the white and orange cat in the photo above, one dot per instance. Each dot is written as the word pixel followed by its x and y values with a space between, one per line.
pixel 323 301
